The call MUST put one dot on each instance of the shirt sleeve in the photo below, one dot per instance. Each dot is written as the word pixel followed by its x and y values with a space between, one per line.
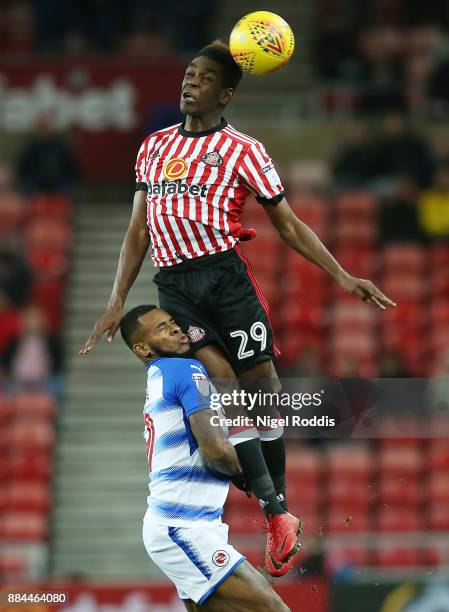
pixel 141 163
pixel 258 173
pixel 193 388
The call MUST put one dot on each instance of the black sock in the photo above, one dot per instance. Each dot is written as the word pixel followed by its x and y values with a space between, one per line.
pixel 274 454
pixel 257 475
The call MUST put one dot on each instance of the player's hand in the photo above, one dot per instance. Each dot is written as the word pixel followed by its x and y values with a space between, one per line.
pixel 366 290
pixel 108 323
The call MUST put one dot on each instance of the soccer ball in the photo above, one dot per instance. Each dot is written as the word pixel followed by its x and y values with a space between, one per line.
pixel 261 42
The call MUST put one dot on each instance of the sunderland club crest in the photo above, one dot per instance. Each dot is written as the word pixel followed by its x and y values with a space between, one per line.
pixel 213 158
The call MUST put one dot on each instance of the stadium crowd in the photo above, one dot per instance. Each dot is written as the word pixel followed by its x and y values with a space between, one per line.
pixel 392 54
pixel 75 27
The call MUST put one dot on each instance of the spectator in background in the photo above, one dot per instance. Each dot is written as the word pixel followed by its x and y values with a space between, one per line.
pixel 402 152
pixel 10 326
pixel 391 365
pixel 12 204
pixel 16 28
pixel 47 164
pixel 381 70
pixel 353 164
pixel 33 358
pixel 398 214
pixel 434 205
pixel 15 275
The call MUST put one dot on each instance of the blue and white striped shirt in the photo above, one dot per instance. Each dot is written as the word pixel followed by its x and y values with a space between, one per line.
pixel 182 490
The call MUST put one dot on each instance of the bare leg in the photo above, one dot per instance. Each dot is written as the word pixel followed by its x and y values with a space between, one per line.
pixel 244 591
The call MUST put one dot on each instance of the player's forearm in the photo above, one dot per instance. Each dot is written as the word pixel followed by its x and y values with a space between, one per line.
pixel 300 237
pixel 223 459
pixel 134 248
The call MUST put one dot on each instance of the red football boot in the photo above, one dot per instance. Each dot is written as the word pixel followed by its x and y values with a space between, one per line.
pixel 276 570
pixel 282 542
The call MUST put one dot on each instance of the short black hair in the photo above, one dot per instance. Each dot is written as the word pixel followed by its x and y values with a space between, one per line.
pixel 130 322
pixel 219 52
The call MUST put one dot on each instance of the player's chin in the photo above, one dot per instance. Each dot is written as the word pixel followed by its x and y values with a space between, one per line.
pixel 184 348
pixel 187 108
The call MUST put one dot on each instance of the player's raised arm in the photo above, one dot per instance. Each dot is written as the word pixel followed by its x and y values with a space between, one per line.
pixel 300 237
pixel 217 452
pixel 134 248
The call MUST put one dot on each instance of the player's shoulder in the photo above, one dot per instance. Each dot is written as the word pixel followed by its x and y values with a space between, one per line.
pixel 244 139
pixel 178 366
pixel 154 137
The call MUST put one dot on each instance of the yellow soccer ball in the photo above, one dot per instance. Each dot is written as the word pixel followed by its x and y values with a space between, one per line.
pixel 261 42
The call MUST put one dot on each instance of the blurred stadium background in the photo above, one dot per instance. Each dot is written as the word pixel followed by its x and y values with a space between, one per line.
pixel 358 125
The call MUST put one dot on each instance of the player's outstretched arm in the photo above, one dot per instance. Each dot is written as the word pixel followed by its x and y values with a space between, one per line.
pixel 300 237
pixel 134 248
pixel 217 452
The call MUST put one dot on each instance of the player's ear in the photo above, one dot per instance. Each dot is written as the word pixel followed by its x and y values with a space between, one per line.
pixel 227 95
pixel 142 350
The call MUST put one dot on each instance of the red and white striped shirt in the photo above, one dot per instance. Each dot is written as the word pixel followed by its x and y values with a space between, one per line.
pixel 197 184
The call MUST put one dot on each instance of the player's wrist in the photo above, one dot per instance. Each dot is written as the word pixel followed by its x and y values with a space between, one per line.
pixel 116 303
pixel 343 278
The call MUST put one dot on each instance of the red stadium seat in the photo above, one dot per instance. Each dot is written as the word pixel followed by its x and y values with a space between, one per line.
pixel 355 232
pixel 358 262
pixel 347 521
pixel 438 456
pixel 32 435
pixel 437 488
pixel 400 493
pixel 439 283
pixel 406 463
pixel 33 405
pixel 346 316
pixel 399 557
pixel 304 465
pixel 309 317
pixel 439 257
pixel 27 464
pixel 28 526
pixel 47 263
pixel 350 462
pixel 5 409
pixel 437 518
pixel 52 233
pixel 49 295
pixel 49 206
pixel 399 520
pixel 439 312
pixel 26 496
pixel 402 287
pixel 358 344
pixel 356 205
pixel 13 565
pixel 408 314
pixel 439 338
pixel 11 213
pixel 404 258
pixel 349 494
pixel 303 496
pixel 246 522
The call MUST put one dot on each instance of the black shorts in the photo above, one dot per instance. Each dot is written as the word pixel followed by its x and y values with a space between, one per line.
pixel 216 299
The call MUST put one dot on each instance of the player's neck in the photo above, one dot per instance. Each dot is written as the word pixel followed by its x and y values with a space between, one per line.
pixel 194 123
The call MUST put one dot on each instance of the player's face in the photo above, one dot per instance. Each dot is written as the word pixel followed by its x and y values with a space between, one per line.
pixel 202 88
pixel 160 335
